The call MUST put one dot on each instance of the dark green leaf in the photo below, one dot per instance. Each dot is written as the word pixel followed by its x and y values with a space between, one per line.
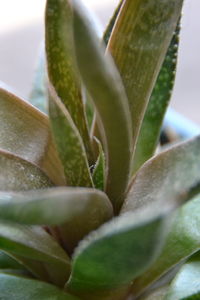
pixel 182 241
pixel 118 251
pixel 38 96
pixel 69 143
pixel 152 122
pixel 17 288
pixel 186 285
pixel 34 243
pixel 139 44
pixel 171 176
pixel 98 174
pixel 61 64
pixel 7 262
pixel 18 174
pixel 25 132
pixel 104 85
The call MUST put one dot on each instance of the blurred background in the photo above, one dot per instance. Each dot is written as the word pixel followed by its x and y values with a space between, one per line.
pixel 21 34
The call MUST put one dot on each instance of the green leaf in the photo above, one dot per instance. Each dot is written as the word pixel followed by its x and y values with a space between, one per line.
pixel 33 243
pixel 61 64
pixel 172 176
pixel 17 288
pixel 38 96
pixel 138 44
pixel 55 206
pixel 7 262
pixel 152 122
pixel 25 132
pixel 98 174
pixel 186 284
pixel 182 241
pixel 18 174
pixel 104 85
pixel 118 251
pixel 158 294
pixel 69 143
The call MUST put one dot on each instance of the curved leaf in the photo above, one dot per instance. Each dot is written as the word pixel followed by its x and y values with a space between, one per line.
pixel 117 252
pixel 98 174
pixel 69 143
pixel 186 284
pixel 171 176
pixel 182 241
pixel 61 64
pixel 18 174
pixel 55 206
pixel 104 85
pixel 153 118
pixel 35 244
pixel 25 132
pixel 7 262
pixel 18 288
pixel 138 45
pixel 158 294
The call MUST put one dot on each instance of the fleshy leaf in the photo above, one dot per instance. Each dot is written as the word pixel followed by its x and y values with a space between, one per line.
pixel 104 85
pixel 186 284
pixel 153 118
pixel 55 206
pixel 35 244
pixel 38 96
pixel 7 262
pixel 18 288
pixel 18 174
pixel 98 174
pixel 25 132
pixel 182 241
pixel 118 251
pixel 61 65
pixel 69 143
pixel 172 175
pixel 138 44
pixel 158 294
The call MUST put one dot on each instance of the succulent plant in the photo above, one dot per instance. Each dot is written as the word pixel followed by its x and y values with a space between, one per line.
pixel 87 211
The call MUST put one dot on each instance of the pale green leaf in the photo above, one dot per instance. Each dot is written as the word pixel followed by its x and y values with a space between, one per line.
pixel 158 103
pixel 104 85
pixel 69 143
pixel 33 243
pixel 186 284
pixel 38 96
pixel 18 288
pixel 61 64
pixel 168 177
pixel 18 174
pixel 182 241
pixel 118 251
pixel 99 172
pixel 138 45
pixel 25 132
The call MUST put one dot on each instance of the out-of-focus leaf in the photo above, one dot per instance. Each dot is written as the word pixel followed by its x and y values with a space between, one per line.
pixel 25 132
pixel 61 65
pixel 69 143
pixel 38 96
pixel 111 23
pixel 35 244
pixel 18 174
pixel 98 174
pixel 104 85
pixel 7 262
pixel 158 294
pixel 153 118
pixel 186 285
pixel 182 241
pixel 81 210
pixel 171 176
pixel 138 44
pixel 118 252
pixel 18 288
